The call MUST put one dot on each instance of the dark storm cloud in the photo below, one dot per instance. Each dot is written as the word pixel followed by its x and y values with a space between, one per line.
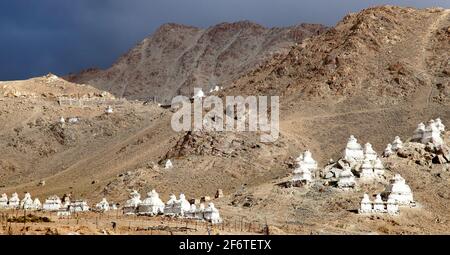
pixel 62 36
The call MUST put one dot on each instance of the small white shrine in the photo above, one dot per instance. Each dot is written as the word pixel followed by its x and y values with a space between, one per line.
pixel 52 203
pixel 346 179
pixel 133 203
pixel 418 133
pixel 62 120
pixel 400 191
pixel 27 202
pixel 378 168
pixel 432 133
pixel 353 152
pixel 198 93
pixel 4 201
pixel 369 152
pixel 366 205
pixel 152 205
pixel 388 151
pixel 168 164
pixel 212 214
pixel 378 206
pixel 367 170
pixel 392 206
pixel 397 144
pixel 102 206
pixel 37 205
pixel 169 207
pixel 109 110
pixel 303 173
pixel 78 206
pixel 14 201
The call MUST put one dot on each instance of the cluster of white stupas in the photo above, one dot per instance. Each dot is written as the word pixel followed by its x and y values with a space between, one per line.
pixel 51 204
pixel 430 133
pixel 153 206
pixel 398 193
pixel 305 168
pixel 14 202
pixel 364 161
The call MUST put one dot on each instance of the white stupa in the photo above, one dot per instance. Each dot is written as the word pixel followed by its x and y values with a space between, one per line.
pixel 4 201
pixel 14 201
pixel 102 206
pixel 53 203
pixel 27 202
pixel 168 164
pixel 152 205
pixel 191 214
pixel 397 144
pixel 132 204
pixel 369 152
pixel 212 214
pixel 432 133
pixel 79 206
pixel 378 205
pixel 37 205
pixel 388 151
pixel 392 206
pixel 378 168
pixel 400 191
pixel 306 166
pixel 366 205
pixel 346 179
pixel 109 110
pixel 62 120
pixel 198 93
pixel 169 207
pixel 353 152
pixel 418 133
pixel 181 205
pixel 367 172
pixel 440 125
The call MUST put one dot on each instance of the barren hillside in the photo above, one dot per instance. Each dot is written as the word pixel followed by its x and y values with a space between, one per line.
pixel 377 74
pixel 177 58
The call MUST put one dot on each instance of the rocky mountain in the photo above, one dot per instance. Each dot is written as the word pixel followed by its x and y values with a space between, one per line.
pixel 375 75
pixel 177 58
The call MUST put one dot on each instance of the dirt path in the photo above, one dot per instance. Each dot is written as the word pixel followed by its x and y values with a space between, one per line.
pixel 425 54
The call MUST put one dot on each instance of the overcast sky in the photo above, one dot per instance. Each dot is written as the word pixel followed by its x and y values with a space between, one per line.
pixel 62 36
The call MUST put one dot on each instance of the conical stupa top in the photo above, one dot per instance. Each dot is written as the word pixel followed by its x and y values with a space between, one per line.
pixel 378 164
pixel 369 149
pixel 366 199
pixel 352 143
pixel 378 199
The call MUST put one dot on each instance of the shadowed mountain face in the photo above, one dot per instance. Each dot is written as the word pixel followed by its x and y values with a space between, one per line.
pixel 177 58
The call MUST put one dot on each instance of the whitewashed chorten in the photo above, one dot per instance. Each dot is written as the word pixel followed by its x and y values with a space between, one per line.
pixel 378 205
pixel 346 178
pixel 392 206
pixel 152 205
pixel 102 206
pixel 168 164
pixel 367 172
pixel 14 201
pixel 397 144
pixel 132 204
pixel 212 214
pixel 353 151
pixel 366 205
pixel 53 203
pixel 27 202
pixel 4 201
pixel 378 168
pixel 388 151
pixel 369 152
pixel 400 191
